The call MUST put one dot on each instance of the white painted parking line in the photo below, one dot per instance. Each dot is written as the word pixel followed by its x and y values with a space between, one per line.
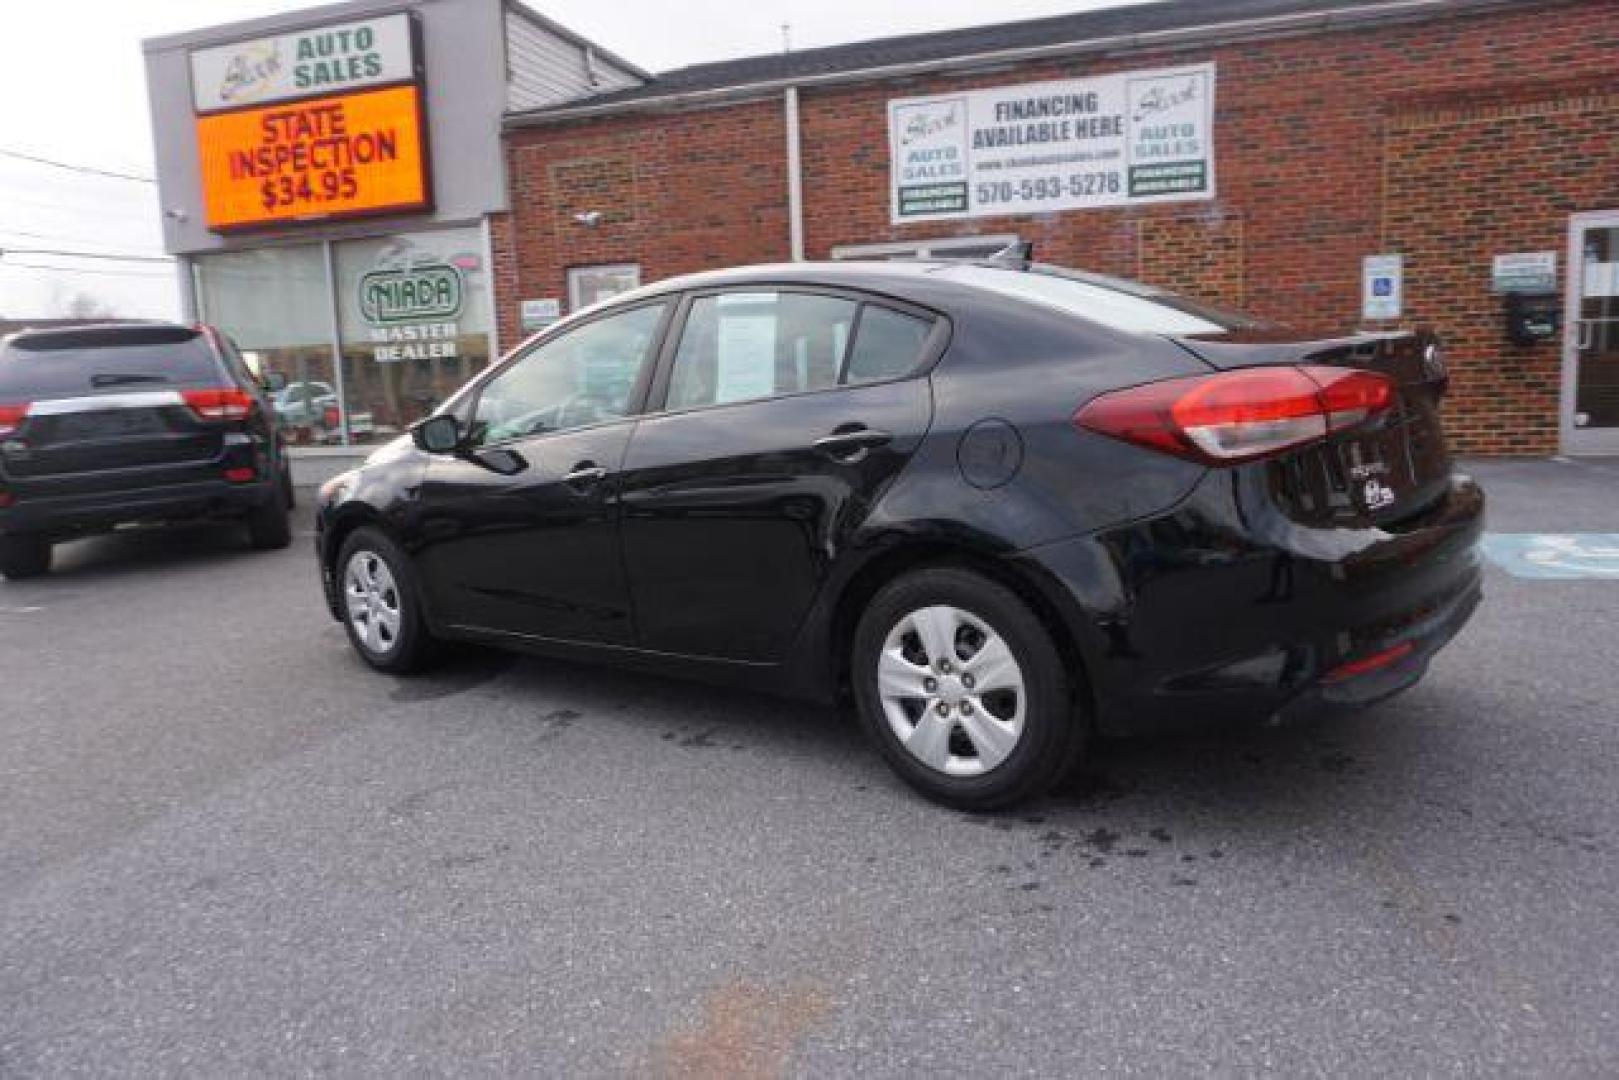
pixel 19 610
pixel 1565 556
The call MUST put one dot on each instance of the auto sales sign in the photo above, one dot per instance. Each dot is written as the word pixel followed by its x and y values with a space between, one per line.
pixel 313 124
pixel 1115 140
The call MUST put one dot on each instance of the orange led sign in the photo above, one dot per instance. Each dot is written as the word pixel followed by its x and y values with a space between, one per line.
pixel 339 156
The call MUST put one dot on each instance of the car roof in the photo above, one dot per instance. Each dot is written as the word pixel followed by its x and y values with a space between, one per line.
pixel 913 280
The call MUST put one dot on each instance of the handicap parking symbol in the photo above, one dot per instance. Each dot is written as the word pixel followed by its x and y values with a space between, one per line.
pixel 1566 556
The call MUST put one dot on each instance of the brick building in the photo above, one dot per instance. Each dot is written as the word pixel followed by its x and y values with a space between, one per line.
pixel 1448 133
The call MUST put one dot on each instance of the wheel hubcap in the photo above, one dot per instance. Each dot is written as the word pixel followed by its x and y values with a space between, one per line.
pixel 373 604
pixel 951 690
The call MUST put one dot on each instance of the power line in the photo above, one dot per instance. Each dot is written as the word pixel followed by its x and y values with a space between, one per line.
pixel 76 168
pixel 114 256
pixel 154 275
pixel 62 237
pixel 64 208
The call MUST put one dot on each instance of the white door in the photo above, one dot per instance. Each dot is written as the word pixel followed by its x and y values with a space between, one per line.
pixel 1591 336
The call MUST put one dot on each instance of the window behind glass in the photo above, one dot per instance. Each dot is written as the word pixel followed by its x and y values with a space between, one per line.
pixel 65 363
pixel 585 375
pixel 743 346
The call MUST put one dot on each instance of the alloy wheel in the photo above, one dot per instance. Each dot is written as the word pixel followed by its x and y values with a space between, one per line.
pixel 952 690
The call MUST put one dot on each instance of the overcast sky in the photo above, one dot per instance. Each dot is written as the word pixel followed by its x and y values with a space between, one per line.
pixel 72 88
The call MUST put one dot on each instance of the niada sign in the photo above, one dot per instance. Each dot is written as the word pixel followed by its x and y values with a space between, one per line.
pixel 303 63
pixel 411 302
pixel 1115 140
pixel 410 295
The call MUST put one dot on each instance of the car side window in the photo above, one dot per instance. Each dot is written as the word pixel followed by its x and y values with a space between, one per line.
pixel 887 344
pixel 741 346
pixel 583 376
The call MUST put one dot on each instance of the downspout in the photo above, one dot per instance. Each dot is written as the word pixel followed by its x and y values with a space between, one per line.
pixel 795 178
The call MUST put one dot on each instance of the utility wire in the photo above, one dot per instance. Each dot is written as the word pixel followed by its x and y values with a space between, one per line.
pixel 76 168
pixel 7 230
pixel 153 274
pixel 114 256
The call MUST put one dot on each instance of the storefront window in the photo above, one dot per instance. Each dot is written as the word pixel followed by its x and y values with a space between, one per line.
pixel 274 303
pixel 414 321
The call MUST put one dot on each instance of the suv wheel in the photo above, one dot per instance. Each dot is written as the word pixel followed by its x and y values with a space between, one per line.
pixel 963 690
pixel 269 525
pixel 382 610
pixel 24 556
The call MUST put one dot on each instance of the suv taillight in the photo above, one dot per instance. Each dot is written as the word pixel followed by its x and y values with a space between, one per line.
pixel 229 404
pixel 1240 415
pixel 11 418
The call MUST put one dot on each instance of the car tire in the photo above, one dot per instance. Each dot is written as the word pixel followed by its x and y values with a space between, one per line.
pixel 380 603
pixel 963 690
pixel 24 556
pixel 269 525
pixel 290 493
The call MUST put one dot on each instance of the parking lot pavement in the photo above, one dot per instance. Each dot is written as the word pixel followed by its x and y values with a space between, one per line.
pixel 225 847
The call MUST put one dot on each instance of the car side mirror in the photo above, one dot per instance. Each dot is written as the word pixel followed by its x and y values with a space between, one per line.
pixel 439 434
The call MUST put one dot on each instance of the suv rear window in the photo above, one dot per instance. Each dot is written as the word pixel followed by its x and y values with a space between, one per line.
pixel 63 363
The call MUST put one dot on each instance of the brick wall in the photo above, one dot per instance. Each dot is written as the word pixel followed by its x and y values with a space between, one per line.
pixel 1447 141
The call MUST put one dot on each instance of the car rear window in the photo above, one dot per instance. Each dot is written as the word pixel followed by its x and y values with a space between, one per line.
pixel 1113 302
pixel 77 362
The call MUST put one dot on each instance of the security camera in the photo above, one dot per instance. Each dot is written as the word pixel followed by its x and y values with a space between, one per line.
pixel 589 218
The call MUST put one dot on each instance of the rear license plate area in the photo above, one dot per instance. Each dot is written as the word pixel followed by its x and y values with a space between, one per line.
pixel 108 424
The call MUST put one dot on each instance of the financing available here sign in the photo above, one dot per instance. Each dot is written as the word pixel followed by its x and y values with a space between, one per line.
pixel 1074 144
pixel 360 153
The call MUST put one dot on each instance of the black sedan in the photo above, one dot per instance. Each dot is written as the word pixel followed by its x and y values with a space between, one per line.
pixel 999 505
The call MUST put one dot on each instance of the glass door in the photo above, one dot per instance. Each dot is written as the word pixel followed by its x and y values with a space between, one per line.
pixel 1591 346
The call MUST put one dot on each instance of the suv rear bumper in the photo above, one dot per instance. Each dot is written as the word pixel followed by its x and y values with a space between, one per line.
pixel 1223 610
pixel 69 515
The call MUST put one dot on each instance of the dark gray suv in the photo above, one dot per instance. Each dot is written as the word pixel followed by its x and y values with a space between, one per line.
pixel 102 426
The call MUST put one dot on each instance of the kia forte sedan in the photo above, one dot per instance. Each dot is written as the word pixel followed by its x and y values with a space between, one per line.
pixel 997 506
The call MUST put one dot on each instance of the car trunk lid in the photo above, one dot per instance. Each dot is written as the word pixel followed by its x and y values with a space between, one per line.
pixel 1383 471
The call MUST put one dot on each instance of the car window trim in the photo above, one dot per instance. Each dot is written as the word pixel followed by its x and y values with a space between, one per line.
pixel 933 348
pixel 638 393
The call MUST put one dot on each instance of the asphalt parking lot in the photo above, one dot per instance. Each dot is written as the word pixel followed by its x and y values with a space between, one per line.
pixel 227 848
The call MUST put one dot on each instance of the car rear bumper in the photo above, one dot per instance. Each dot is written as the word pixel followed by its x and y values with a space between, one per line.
pixel 1223 609
pixel 68 515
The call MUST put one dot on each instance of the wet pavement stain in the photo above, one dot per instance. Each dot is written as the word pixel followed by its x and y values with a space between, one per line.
pixel 458 677
pixel 554 723
pixel 416 803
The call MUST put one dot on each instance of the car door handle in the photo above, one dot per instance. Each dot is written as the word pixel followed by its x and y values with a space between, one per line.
pixel 851 445
pixel 585 474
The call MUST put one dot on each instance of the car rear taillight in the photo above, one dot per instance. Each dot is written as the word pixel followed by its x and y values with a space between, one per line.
pixel 330 417
pixel 241 474
pixel 11 418
pixel 228 404
pixel 1240 415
